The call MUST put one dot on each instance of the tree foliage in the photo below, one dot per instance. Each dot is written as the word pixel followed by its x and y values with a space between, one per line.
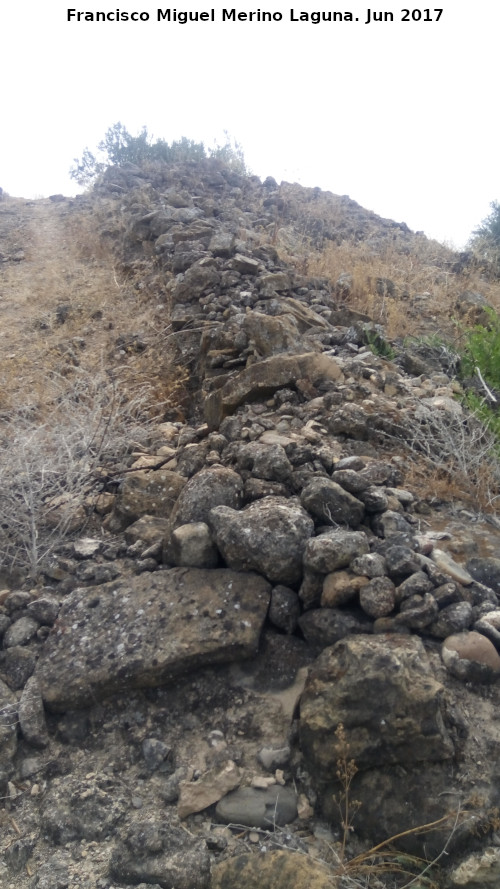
pixel 485 240
pixel 119 146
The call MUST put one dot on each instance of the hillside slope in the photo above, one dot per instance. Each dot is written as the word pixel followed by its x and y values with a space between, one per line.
pixel 242 550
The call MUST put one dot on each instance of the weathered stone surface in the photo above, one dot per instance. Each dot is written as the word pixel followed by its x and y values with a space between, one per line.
pixel 378 597
pixel 246 265
pixel 17 665
pixel 489 626
pixel 471 657
pixel 446 564
pixel 82 809
pixel 340 587
pixel 325 626
pixel 369 565
pixel 256 807
pixel 452 619
pixel 20 632
pixel 146 493
pixel 194 796
pixel 400 562
pixel 388 524
pixel 417 612
pixel 329 502
pixel 333 550
pixel 263 378
pixel 192 546
pixel 381 689
pixel 271 870
pixel 212 486
pixel 32 715
pixel 268 536
pixel 486 571
pixel 270 336
pixel 44 610
pixel 416 584
pixel 154 852
pixel 146 630
pixel 477 871
pixel 264 460
pixel 284 610
pixel 8 723
pixel 148 530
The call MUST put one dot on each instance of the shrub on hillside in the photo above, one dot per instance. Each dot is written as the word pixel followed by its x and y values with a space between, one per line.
pixel 119 146
pixel 485 240
pixel 51 469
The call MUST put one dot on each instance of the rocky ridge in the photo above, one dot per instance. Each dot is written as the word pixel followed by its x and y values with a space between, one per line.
pixel 263 584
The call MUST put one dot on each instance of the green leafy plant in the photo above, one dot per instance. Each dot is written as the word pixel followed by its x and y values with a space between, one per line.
pixel 379 345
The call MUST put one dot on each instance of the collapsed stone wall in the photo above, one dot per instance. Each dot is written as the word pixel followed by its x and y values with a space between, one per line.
pixel 276 525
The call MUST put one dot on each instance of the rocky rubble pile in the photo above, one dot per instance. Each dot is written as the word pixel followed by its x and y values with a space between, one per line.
pixel 263 579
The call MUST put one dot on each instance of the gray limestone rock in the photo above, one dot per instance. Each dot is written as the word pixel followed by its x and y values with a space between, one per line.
pixel 145 493
pixel 328 502
pixel 192 546
pixel 212 486
pixel 146 630
pixel 333 550
pixel 452 619
pixel 263 378
pixel 268 536
pixel 32 715
pixel 255 807
pixel 378 597
pixel 325 626
pixel 20 632
pixel 486 571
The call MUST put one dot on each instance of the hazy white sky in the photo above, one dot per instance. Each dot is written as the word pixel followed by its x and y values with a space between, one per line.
pixel 400 115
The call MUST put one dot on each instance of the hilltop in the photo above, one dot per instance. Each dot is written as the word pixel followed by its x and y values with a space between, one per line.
pixel 248 541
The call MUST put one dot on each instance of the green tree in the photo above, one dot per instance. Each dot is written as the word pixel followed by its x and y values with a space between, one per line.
pixel 119 146
pixel 485 240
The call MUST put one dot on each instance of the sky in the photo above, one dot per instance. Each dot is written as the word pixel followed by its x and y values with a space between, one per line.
pixel 401 115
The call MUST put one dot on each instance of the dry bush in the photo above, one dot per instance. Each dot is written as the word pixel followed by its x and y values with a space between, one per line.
pixel 50 469
pixel 453 455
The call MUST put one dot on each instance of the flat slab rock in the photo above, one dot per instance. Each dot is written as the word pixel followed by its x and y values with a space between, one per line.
pixel 146 630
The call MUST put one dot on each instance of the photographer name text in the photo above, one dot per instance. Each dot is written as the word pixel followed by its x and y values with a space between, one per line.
pixel 183 17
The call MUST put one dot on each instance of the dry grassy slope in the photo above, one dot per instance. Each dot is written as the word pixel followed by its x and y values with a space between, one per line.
pixel 64 308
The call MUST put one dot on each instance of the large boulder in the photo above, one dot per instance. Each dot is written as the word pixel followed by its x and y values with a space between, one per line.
pixel 145 493
pixel 268 536
pixel 372 706
pixel 146 630
pixel 263 378
pixel 212 486
pixel 329 502
pixel 381 689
